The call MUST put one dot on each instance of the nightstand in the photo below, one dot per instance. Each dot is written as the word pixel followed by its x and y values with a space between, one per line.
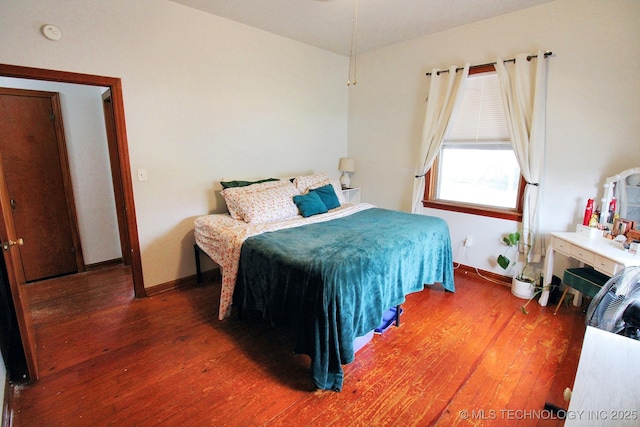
pixel 351 195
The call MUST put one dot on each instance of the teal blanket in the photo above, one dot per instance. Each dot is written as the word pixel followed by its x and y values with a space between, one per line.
pixel 331 282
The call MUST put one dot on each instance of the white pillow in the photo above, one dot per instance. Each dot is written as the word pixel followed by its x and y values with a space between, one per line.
pixel 230 194
pixel 304 182
pixel 264 202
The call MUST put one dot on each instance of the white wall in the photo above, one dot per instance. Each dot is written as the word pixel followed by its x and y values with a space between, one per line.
pixel 205 98
pixel 593 109
pixel 88 155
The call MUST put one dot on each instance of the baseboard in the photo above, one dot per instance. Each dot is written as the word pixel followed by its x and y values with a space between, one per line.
pixel 485 274
pixel 214 274
pixel 183 283
pixel 103 264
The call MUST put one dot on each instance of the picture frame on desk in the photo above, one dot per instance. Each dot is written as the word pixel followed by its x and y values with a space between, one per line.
pixel 622 226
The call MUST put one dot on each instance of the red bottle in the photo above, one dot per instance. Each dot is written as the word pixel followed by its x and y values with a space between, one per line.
pixel 612 208
pixel 588 212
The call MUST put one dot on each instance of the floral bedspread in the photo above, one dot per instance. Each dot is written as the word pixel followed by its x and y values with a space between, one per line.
pixel 221 238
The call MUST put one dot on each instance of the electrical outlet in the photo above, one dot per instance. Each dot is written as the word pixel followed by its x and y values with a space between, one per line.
pixel 468 241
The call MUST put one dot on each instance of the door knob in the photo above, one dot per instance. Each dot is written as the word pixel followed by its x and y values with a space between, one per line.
pixel 7 245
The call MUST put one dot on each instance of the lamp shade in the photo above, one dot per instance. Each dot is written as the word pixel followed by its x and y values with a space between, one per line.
pixel 347 165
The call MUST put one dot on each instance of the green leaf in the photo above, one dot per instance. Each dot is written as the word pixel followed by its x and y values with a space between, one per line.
pixel 514 238
pixel 503 261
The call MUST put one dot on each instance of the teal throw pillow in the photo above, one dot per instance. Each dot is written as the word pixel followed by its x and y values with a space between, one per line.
pixel 327 195
pixel 309 204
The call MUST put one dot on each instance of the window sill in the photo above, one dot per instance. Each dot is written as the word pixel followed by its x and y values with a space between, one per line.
pixel 508 214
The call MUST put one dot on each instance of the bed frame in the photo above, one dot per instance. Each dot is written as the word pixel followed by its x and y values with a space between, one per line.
pixel 197 252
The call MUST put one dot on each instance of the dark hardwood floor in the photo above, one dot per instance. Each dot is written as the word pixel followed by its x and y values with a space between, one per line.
pixel 107 358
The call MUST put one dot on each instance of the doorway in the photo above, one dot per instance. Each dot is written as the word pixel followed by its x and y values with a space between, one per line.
pixel 120 159
pixel 38 182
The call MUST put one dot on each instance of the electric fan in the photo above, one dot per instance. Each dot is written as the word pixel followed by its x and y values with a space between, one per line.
pixel 616 307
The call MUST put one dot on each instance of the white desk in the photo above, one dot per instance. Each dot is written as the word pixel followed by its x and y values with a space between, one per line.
pixel 606 392
pixel 603 254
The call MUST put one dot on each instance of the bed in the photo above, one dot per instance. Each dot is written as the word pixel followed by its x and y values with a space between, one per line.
pixel 327 276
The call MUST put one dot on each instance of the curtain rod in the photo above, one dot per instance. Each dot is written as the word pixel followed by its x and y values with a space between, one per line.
pixel 529 58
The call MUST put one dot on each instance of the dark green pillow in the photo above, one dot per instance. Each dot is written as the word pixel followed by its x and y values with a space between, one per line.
pixel 309 204
pixel 327 195
pixel 234 184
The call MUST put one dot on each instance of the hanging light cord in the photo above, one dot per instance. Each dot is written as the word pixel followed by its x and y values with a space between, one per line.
pixel 352 54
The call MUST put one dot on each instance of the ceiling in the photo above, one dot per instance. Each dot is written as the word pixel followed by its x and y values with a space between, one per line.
pixel 327 24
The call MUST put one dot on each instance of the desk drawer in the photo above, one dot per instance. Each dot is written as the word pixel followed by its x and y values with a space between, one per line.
pixel 582 254
pixel 606 265
pixel 562 246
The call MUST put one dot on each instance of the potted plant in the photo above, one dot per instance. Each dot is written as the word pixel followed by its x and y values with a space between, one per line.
pixel 537 290
pixel 523 285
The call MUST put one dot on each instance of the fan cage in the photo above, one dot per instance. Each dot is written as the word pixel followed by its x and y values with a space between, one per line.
pixel 606 308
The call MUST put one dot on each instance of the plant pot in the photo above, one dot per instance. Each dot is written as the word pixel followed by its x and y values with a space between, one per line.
pixel 521 289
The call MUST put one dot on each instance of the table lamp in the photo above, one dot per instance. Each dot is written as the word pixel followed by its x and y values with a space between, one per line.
pixel 346 165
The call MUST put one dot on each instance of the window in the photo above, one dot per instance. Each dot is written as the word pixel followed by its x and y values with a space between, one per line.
pixel 476 170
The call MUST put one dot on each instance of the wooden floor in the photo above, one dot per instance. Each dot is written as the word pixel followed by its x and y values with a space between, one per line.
pixel 469 358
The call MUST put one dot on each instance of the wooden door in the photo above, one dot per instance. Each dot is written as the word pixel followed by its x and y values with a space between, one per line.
pixel 11 344
pixel 10 247
pixel 38 183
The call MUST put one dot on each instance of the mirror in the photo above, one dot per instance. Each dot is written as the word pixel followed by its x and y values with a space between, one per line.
pixel 625 187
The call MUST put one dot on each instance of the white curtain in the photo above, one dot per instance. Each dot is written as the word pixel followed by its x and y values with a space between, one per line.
pixel 523 85
pixel 444 92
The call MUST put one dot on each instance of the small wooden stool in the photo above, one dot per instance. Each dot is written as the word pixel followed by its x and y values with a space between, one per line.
pixel 584 279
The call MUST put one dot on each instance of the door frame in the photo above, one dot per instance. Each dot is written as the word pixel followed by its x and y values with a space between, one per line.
pixel 120 150
pixel 120 133
pixel 116 175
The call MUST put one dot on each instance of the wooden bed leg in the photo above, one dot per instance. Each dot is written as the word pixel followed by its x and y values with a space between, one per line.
pixel 397 316
pixel 196 250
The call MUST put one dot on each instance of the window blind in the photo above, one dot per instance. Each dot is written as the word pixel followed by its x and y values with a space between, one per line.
pixel 480 120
